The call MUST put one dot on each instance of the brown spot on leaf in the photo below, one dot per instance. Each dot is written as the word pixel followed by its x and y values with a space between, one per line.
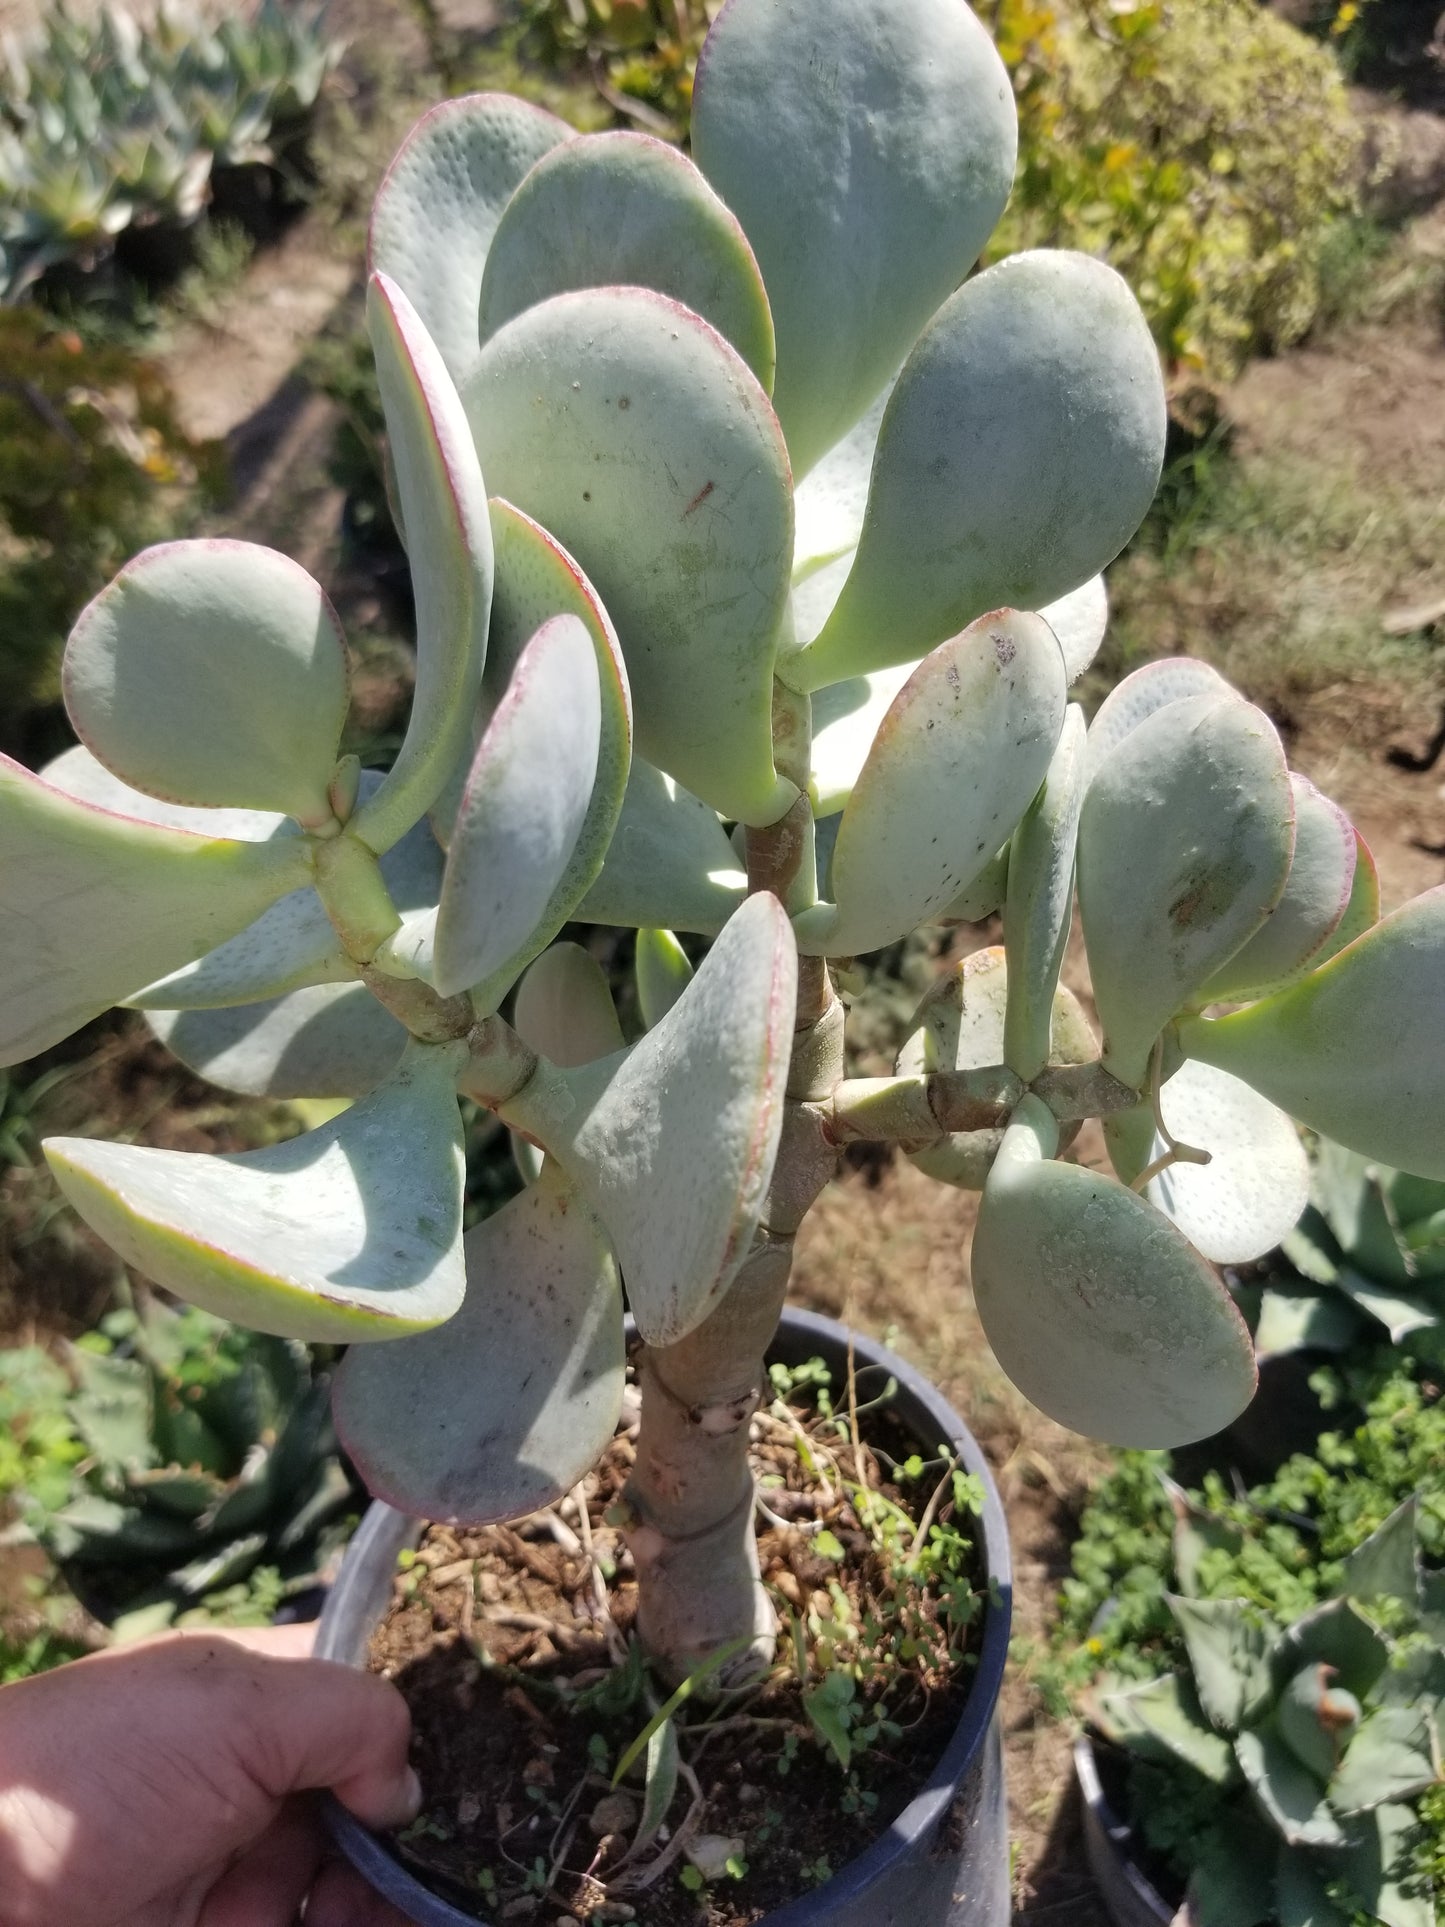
pixel 698 499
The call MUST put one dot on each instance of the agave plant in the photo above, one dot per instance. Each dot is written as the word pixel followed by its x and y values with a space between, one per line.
pixel 1368 1254
pixel 1315 1739
pixel 789 525
pixel 195 1454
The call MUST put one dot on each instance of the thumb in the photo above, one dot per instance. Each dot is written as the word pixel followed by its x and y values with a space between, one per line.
pixel 312 1723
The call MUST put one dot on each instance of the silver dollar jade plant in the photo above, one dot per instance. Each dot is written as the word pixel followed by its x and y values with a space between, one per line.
pixel 729 500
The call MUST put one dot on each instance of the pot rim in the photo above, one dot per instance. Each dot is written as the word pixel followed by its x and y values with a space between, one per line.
pixel 1115 1833
pixel 384 1531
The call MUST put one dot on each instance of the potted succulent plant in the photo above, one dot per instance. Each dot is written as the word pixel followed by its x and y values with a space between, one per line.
pixel 1299 1752
pixel 729 500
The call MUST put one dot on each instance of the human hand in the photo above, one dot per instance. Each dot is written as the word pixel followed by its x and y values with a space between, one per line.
pixel 172 1785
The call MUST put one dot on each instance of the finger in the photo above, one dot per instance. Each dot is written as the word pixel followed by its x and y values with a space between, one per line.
pixel 314 1723
pixel 341 1898
pixel 279 1642
pixel 266 1886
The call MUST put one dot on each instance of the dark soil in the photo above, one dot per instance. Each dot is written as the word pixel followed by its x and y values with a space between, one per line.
pixel 508 1657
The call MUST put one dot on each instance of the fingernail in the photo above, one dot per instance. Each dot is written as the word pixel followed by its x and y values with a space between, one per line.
pixel 410 1801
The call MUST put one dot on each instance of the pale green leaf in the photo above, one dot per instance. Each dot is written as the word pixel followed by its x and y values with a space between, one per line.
pixel 1018 453
pixel 504 1408
pixel 1390 1757
pixel 1079 620
pixel 1290 1796
pixel 79 774
pixel 1362 912
pixel 612 210
pixel 1257 1181
pixel 1379 1865
pixel 673 1142
pixel 954 765
pixel 641 440
pixel 1316 1720
pixel 959 1026
pixel 1340 1636
pixel 1316 895
pixel 1184 847
pixel 1039 904
pixel 437 209
pixel 1387 1564
pixel 1142 694
pixel 1095 1304
pixel 350 1232
pixel 1231 1883
pixel 669 864
pixel 868 152
pixel 1302 1321
pixel 294 943
pixel 846 718
pixel 510 878
pixel 328 1040
pixel 1164 1720
pixel 1302 1886
pixel 1229 1643
pixel 565 1008
pixel 663 973
pixel 213 673
pixel 93 905
pixel 1356 1049
pixel 443 504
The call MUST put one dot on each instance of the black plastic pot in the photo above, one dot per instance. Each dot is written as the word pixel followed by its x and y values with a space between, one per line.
pixel 1128 1893
pixel 943 1862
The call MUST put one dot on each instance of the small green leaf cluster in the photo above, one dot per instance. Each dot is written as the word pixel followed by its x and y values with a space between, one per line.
pixel 173 1466
pixel 105 124
pixel 93 466
pixel 1203 147
pixel 1369 1252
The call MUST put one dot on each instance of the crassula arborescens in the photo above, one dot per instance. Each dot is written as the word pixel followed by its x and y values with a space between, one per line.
pixel 730 499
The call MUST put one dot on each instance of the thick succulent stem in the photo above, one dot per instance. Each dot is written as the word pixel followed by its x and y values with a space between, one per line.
pixel 690 1499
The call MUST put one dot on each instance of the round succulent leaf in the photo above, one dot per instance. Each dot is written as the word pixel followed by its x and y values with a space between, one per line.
pixel 1184 846
pixel 438 208
pixel 505 1408
pixel 663 972
pixel 1356 1050
pixel 1173 679
pixel 1316 895
pixel 1316 1720
pixel 673 1144
pixel 325 1041
pixel 954 765
pixel 1378 1864
pixel 511 880
pixel 350 1232
pixel 846 718
pixel 669 863
pixel 213 673
pixel 1018 453
pixel 632 431
pixel 1257 1182
pixel 1362 912
pixel 959 1026
pixel 868 152
pixel 1039 904
pixel 1391 1756
pixel 564 1007
pixel 83 776
pixel 610 210
pixel 1097 1307
pixel 443 504
pixel 94 905
pixel 294 943
pixel 1079 620
pixel 985 895
pixel 1291 1797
